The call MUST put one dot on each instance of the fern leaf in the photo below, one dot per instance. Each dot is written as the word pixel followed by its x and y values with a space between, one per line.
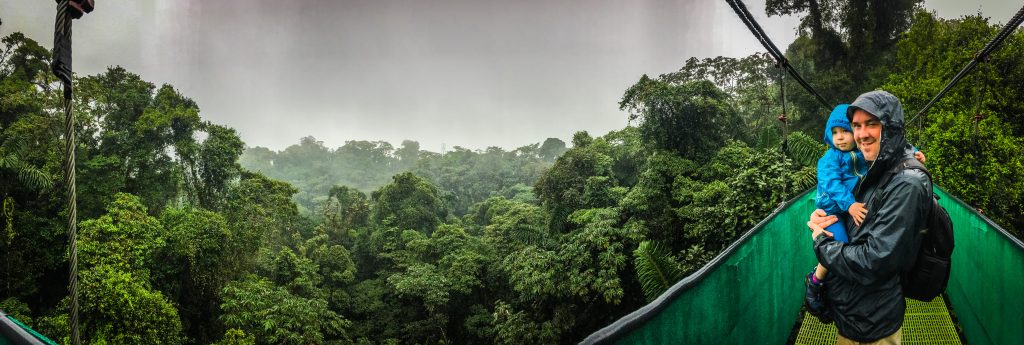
pixel 803 149
pixel 656 269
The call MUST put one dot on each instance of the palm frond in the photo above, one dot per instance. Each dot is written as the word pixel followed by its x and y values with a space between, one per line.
pixel 656 269
pixel 32 177
pixel 805 178
pixel 803 149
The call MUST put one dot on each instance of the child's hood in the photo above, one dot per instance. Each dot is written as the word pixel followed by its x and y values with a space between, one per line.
pixel 836 119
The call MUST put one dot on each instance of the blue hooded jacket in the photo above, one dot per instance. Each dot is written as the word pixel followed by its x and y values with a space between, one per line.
pixel 836 169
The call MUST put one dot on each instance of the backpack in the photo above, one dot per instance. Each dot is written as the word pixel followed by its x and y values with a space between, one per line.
pixel 928 277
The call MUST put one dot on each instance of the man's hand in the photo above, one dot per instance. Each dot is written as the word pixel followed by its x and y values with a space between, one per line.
pixel 858 212
pixel 817 230
pixel 920 156
pixel 820 220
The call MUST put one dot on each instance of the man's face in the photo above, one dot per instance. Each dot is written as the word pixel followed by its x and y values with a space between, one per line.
pixel 867 131
pixel 842 139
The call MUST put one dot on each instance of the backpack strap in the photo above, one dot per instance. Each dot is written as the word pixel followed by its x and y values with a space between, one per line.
pixel 909 163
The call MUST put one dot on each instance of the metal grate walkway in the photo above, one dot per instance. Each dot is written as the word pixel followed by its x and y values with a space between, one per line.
pixel 925 323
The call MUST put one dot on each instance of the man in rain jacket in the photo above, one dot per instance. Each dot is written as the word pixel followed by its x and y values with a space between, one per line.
pixel 864 294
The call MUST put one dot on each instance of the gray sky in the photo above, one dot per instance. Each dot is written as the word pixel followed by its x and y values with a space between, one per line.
pixel 469 73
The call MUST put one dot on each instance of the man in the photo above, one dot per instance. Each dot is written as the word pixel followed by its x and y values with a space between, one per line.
pixel 863 285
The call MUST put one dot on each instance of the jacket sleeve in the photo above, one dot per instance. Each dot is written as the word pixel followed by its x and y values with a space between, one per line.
pixel 890 235
pixel 833 196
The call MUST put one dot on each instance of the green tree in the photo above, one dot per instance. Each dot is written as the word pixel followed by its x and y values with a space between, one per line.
pixel 275 316
pixel 551 149
pixel 561 189
pixel 409 202
pixel 261 211
pixel 201 255
pixel 691 119
pixel 118 303
pixel 752 85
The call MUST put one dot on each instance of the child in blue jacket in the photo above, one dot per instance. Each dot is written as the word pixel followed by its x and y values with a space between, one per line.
pixel 838 171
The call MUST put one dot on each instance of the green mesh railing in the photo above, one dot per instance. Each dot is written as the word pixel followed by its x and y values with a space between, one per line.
pixel 751 292
pixel 987 277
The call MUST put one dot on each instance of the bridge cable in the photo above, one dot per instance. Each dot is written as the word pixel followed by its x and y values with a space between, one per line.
pixel 773 50
pixel 68 10
pixel 782 117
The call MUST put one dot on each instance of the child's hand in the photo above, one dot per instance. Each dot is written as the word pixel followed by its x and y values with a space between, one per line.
pixel 858 212
pixel 920 156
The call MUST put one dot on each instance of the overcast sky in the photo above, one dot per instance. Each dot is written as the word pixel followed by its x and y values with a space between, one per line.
pixel 473 73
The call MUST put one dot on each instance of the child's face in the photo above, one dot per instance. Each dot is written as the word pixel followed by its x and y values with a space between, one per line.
pixel 842 139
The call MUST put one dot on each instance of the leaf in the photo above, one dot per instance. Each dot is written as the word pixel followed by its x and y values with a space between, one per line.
pixel 656 269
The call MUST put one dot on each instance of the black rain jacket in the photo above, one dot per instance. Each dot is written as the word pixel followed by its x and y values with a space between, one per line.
pixel 863 281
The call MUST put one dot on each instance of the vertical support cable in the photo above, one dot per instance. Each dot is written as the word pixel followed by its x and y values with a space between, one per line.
pixel 977 120
pixel 62 46
pixel 69 181
pixel 782 117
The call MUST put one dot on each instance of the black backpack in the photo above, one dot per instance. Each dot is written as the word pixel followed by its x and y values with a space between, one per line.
pixel 928 277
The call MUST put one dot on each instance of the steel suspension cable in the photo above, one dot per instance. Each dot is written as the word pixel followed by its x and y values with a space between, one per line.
pixel 773 50
pixel 62 39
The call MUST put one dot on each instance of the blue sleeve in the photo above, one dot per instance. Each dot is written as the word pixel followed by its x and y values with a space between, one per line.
pixel 833 196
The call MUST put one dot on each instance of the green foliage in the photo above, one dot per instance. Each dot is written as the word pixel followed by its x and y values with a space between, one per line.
pixel 119 307
pixel 691 119
pixel 118 304
pixel 551 149
pixel 804 149
pixel 463 176
pixel 656 269
pixel 17 309
pixel 515 225
pixel 275 316
pixel 236 336
pixel 11 163
pixel 983 169
pixel 563 188
pixel 518 327
pixel 977 161
pixel 125 238
pixel 466 177
pixel 261 210
pixel 752 85
pixel 202 253
pixel 409 202
pixel 650 204
pixel 845 48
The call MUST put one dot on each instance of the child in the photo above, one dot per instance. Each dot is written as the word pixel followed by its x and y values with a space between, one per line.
pixel 838 171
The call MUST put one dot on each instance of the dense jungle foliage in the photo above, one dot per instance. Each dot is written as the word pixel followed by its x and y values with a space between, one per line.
pixel 187 236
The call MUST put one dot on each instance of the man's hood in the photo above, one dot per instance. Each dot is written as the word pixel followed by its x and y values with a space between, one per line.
pixel 836 119
pixel 893 143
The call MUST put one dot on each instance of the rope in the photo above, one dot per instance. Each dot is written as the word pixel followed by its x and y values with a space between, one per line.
pixel 977 120
pixel 63 32
pixel 8 213
pixel 979 57
pixel 782 118
pixel 773 50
